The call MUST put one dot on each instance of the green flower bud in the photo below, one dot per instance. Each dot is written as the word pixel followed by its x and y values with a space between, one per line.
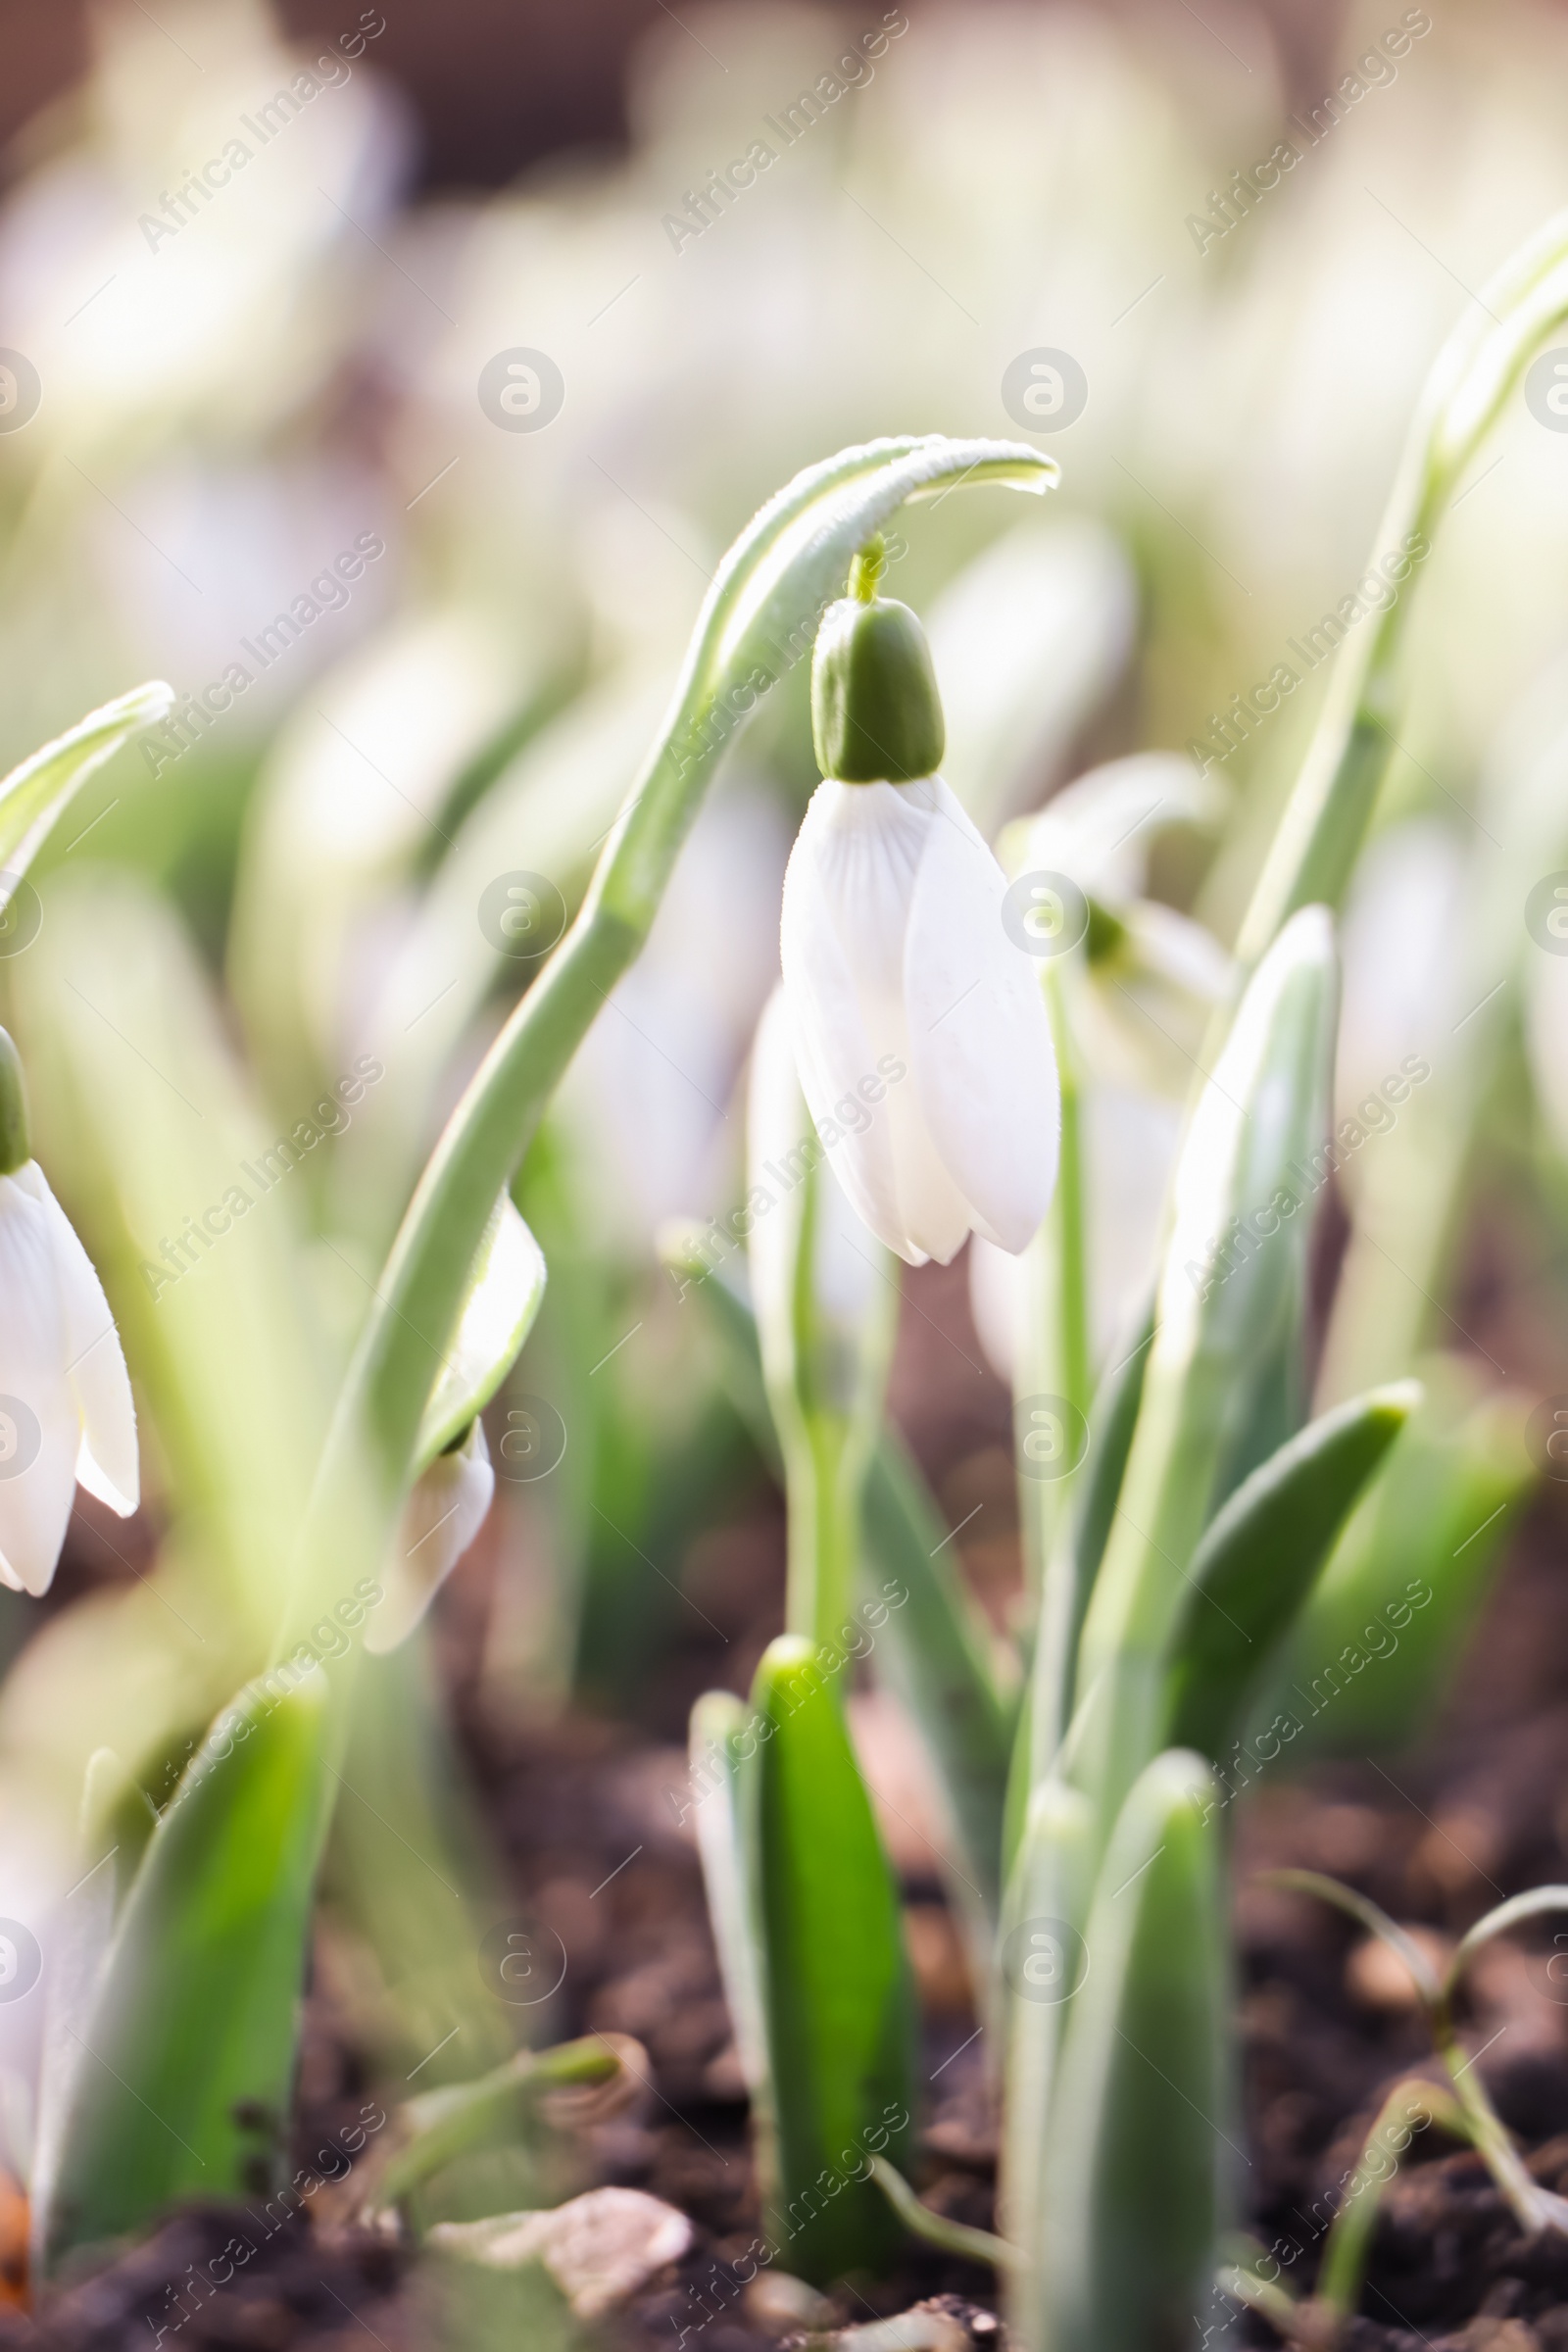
pixel 876 715
pixel 16 1145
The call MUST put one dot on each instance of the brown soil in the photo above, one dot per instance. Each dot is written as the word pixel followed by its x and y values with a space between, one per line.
pixel 581 1810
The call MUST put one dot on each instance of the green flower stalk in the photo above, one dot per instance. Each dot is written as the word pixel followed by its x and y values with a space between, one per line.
pixel 826 1301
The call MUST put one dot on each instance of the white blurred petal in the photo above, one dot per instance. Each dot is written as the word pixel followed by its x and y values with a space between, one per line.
pixel 440 1520
pixel 1099 828
pixel 107 1459
pixel 39 1429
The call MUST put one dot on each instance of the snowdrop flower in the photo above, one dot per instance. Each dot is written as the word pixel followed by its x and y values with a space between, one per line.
pixel 921 1033
pixel 66 1414
pixel 440 1520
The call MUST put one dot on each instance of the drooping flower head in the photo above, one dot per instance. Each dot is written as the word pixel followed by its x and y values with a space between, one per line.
pixel 920 1033
pixel 66 1412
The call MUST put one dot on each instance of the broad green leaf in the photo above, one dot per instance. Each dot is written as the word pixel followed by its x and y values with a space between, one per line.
pixel 34 794
pixel 721 1738
pixel 1260 1556
pixel 509 1283
pixel 1245 1191
pixel 1140 2134
pixel 837 2004
pixel 1069 1580
pixel 184 2081
pixel 1040 1960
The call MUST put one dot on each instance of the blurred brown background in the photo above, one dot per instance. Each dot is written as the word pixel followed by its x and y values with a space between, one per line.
pixel 495 86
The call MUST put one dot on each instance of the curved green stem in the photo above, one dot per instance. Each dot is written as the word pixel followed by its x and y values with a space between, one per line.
pixel 954 2237
pixel 1320 834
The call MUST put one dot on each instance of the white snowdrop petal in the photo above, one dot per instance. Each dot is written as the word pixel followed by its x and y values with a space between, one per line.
pixel 440 1520
pixel 933 1217
pixel 996 1282
pixel 94 1365
pixel 835 898
pixel 38 1417
pixel 980 1042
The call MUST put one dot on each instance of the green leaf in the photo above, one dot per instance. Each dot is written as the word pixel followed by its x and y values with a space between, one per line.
pixel 930 1652
pixel 1069 1580
pixel 507 1285
pixel 1259 1558
pixel 1534 1903
pixel 720 1737
pixel 1366 1914
pixel 497 2110
pixel 836 1997
pixel 1319 837
pixel 37 792
pixel 1139 2135
pixel 1244 1193
pixel 1040 1961
pixel 185 2071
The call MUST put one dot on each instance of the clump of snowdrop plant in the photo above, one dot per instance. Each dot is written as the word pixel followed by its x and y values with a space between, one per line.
pixel 1086 1786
